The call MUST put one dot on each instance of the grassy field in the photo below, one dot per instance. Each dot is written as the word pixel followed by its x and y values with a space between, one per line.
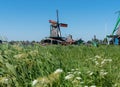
pixel 81 66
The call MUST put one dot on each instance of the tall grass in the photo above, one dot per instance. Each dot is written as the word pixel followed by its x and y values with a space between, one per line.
pixel 82 66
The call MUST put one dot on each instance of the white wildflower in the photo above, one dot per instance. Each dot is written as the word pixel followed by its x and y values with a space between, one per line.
pixel 58 71
pixel 97 56
pixel 6 80
pixel 96 62
pixel 78 78
pixel 76 69
pixel 85 86
pixel 70 76
pixel 115 85
pixel 75 72
pixel 102 62
pixel 105 73
pixel 69 72
pixel 34 82
pixel 102 72
pixel 72 70
pixel 81 82
pixel 108 60
pixel 90 73
pixel 93 86
pixel 78 73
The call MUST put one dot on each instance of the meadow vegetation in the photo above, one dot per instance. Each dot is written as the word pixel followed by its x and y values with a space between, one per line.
pixel 80 66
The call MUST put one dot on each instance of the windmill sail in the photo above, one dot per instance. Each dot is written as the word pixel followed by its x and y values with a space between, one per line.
pixel 63 25
pixel 52 21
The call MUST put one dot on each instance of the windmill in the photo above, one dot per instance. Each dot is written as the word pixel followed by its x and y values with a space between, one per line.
pixel 55 27
pixel 116 37
pixel 55 33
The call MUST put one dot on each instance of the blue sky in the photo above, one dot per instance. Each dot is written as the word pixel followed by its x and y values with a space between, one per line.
pixel 28 19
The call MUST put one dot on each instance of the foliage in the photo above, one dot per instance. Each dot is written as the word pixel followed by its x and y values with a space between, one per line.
pixel 82 66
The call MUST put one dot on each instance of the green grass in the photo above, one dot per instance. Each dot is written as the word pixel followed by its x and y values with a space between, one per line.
pixel 95 66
